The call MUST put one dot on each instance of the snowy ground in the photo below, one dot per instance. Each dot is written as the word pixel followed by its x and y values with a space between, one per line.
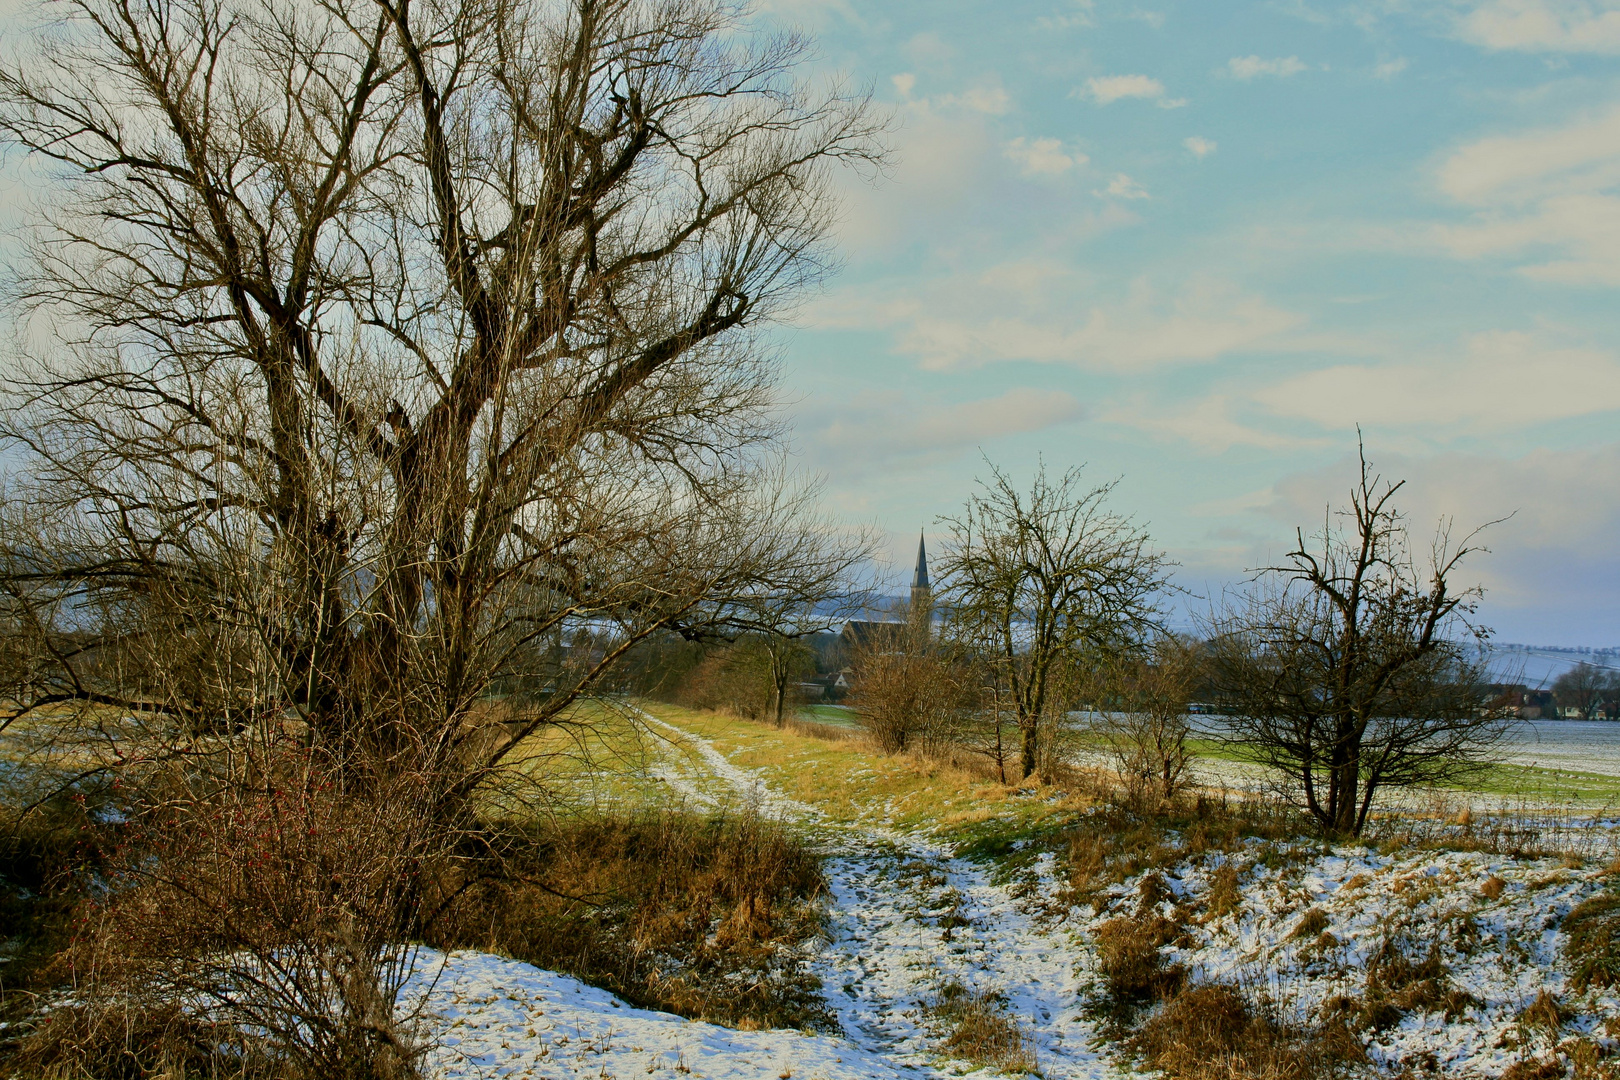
pixel 492 1017
pixel 907 918
pixel 1501 950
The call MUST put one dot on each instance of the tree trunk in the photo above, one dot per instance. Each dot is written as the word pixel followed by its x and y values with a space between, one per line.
pixel 1031 746
pixel 1346 786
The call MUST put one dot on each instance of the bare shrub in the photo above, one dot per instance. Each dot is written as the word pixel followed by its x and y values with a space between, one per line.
pixel 701 916
pixel 1039 583
pixel 1146 726
pixel 275 907
pixel 906 693
pixel 1350 668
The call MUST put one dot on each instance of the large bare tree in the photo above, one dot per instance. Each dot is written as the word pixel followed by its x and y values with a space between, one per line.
pixel 397 344
pixel 1045 583
pixel 376 353
pixel 1352 667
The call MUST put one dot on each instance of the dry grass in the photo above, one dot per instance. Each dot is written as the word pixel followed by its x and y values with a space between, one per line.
pixel 1592 947
pixel 700 916
pixel 1213 1031
pixel 1112 844
pixel 1401 979
pixel 143 1039
pixel 979 1030
pixel 849 780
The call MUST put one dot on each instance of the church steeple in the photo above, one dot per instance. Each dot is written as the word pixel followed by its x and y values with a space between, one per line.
pixel 922 594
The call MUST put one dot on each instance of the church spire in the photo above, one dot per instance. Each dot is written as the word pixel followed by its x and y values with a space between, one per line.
pixel 919 580
pixel 922 594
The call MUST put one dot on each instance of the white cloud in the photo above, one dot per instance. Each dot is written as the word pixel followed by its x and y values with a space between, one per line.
pixel 1501 379
pixel 1042 157
pixel 1565 26
pixel 1024 310
pixel 1388 69
pixel 988 98
pixel 1540 192
pixel 868 432
pixel 904 83
pixel 1251 67
pixel 1122 187
pixel 1209 423
pixel 1583 156
pixel 1080 14
pixel 1107 89
pixel 1199 146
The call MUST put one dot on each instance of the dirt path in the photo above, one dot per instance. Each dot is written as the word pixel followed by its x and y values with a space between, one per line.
pixel 908 919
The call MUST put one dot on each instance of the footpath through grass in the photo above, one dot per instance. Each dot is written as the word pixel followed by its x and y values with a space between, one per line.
pixel 852 784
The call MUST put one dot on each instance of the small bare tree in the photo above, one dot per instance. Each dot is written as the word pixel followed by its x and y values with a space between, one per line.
pixel 1348 669
pixel 1044 583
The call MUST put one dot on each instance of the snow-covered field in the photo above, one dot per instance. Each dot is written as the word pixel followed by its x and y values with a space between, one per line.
pixel 1591 746
pixel 907 918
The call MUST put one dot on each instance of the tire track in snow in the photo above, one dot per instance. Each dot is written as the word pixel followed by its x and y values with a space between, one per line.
pixel 907 917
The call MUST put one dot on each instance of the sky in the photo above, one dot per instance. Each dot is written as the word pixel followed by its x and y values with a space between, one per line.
pixel 1192 246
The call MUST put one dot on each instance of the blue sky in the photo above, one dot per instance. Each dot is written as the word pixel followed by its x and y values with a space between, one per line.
pixel 1192 245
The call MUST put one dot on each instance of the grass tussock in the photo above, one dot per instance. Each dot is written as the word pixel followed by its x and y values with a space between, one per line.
pixel 1213 1031
pixel 1592 944
pixel 700 916
pixel 978 1030
pixel 1131 960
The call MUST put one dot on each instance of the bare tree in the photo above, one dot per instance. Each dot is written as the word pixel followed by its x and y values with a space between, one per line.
pixel 396 350
pixel 1347 668
pixel 1584 687
pixel 1046 582
pixel 399 347
pixel 790 661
